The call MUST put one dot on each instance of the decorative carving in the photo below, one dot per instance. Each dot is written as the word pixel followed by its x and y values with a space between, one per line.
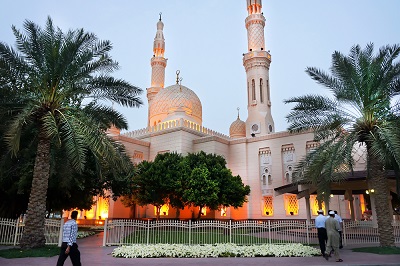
pixel 265 160
pixel 289 160
pixel 137 157
pixel 268 209
pixel 292 205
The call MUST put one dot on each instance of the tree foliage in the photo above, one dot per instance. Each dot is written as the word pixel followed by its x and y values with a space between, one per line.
pixel 210 169
pixel 53 86
pixel 67 188
pixel 157 183
pixel 198 179
pixel 361 112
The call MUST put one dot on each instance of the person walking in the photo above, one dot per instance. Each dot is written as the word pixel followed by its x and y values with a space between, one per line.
pixel 332 229
pixel 322 236
pixel 340 220
pixel 69 246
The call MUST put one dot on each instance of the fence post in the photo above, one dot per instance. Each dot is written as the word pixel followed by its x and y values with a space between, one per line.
pixel 148 231
pixel 269 231
pixel 307 232
pixel 344 240
pixel 60 236
pixel 190 232
pixel 230 231
pixel 105 232
pixel 16 232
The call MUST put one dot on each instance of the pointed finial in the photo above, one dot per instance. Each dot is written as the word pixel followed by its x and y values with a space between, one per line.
pixel 160 15
pixel 180 84
pixel 238 112
pixel 177 76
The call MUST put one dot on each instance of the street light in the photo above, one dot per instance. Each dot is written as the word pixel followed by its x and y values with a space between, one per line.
pixel 370 191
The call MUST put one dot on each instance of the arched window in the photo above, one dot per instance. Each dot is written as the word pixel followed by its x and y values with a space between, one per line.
pixel 261 91
pixel 253 90
pixel 287 177
pixel 264 180
pixel 248 92
pixel 268 92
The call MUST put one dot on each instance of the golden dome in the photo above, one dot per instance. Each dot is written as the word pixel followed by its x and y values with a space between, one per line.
pixel 175 98
pixel 237 129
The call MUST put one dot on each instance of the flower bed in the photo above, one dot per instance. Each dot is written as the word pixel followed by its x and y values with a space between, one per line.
pixel 83 234
pixel 217 250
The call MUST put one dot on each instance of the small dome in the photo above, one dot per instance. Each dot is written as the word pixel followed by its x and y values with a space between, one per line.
pixel 237 129
pixel 175 99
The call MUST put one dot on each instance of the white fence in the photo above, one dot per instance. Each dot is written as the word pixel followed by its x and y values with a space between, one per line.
pixel 125 232
pixel 11 231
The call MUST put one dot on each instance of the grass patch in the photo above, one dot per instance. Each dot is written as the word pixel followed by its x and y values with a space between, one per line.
pixel 378 250
pixel 169 235
pixel 47 251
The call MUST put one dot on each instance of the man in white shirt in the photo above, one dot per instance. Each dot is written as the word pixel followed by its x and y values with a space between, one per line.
pixel 339 219
pixel 69 246
pixel 322 236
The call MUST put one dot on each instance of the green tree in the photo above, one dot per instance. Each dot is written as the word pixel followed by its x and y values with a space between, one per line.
pixel 361 111
pixel 158 183
pixel 201 190
pixel 56 83
pixel 67 188
pixel 209 183
pixel 198 179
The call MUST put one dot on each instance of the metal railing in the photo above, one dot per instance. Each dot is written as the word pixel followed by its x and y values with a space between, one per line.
pixel 126 232
pixel 247 232
pixel 11 231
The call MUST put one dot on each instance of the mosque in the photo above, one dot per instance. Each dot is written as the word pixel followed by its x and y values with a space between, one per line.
pixel 263 158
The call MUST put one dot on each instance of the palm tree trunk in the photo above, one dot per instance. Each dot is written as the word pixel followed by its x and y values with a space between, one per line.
pixel 382 208
pixel 33 235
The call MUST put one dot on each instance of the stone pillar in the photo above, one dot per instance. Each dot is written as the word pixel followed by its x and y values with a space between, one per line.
pixel 348 195
pixel 357 208
pixel 351 201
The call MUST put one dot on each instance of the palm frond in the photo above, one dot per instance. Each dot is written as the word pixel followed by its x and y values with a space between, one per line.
pixel 116 90
pixel 106 115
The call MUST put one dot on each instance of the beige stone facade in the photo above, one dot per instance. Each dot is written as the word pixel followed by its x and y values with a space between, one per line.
pixel 265 159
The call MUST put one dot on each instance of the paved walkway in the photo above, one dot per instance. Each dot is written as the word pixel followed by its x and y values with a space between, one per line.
pixel 93 254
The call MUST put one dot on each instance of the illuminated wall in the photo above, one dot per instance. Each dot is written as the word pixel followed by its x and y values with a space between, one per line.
pixel 291 205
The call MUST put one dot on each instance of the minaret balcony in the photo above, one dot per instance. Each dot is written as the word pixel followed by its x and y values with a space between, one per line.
pixel 255 18
pixel 254 54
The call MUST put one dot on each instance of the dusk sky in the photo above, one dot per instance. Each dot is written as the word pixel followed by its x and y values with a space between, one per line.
pixel 205 40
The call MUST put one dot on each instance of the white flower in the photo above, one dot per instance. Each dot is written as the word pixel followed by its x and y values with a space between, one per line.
pixel 217 250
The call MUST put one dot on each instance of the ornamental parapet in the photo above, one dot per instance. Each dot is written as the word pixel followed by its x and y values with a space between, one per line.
pixel 256 54
pixel 183 123
pixel 255 19
pixel 256 59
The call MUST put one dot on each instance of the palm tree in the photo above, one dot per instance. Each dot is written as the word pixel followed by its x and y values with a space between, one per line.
pixel 56 84
pixel 361 111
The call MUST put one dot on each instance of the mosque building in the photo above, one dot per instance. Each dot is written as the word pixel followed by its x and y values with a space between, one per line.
pixel 262 157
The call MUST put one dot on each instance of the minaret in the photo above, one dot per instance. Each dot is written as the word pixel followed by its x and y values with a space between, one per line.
pixel 256 62
pixel 158 64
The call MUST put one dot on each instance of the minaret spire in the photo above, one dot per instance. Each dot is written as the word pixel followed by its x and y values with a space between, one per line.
pixel 257 62
pixel 158 64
